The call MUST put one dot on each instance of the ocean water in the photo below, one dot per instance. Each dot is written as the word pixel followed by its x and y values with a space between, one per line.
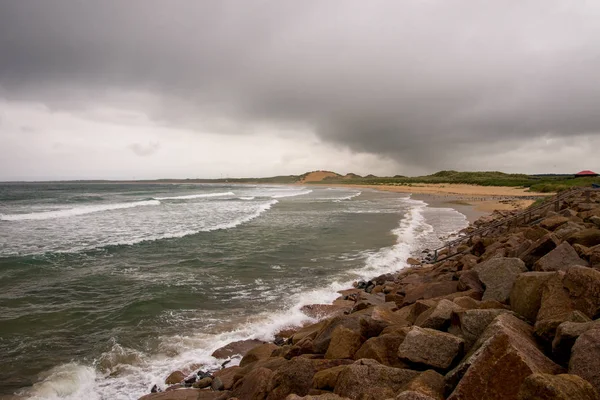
pixel 107 288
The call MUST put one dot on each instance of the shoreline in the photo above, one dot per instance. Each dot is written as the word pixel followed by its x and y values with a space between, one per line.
pixel 319 312
pixel 471 200
pixel 436 331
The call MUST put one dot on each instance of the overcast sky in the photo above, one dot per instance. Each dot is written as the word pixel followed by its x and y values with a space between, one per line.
pixel 153 89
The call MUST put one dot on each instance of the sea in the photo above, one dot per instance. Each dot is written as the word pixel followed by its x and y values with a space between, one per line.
pixel 106 288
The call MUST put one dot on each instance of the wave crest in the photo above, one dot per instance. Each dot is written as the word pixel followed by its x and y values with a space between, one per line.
pixel 196 196
pixel 72 212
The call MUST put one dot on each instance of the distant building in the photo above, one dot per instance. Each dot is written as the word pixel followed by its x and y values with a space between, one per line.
pixel 586 174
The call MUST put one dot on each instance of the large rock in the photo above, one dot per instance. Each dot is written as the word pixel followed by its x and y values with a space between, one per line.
pixel 526 294
pixel 567 230
pixel 535 233
pixel 369 380
pixel 469 280
pixel 430 290
pixel 255 385
pixel 226 376
pixel 559 259
pixel 309 331
pixel 431 348
pixel 551 223
pixel 499 362
pixel 498 275
pixel 438 317
pixel 320 311
pixel 258 353
pixel 538 249
pixel 296 376
pixel 382 349
pixel 585 357
pixel 413 395
pixel 583 285
pixel 594 257
pixel 556 387
pixel 470 324
pixel 327 378
pixel 187 394
pixel 240 347
pixel 324 396
pixel 344 343
pixel 175 377
pixel 429 383
pixel 573 295
pixel 566 335
pixel 323 337
pixel 587 237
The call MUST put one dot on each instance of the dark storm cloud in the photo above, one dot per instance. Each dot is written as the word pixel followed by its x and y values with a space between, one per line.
pixel 425 82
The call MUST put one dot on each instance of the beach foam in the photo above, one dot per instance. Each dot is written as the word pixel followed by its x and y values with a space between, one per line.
pixel 291 194
pixel 71 212
pixel 122 373
pixel 196 196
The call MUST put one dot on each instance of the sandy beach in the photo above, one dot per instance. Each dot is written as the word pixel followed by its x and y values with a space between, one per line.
pixel 471 200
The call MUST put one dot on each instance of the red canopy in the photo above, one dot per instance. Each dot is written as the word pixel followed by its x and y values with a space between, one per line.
pixel 586 172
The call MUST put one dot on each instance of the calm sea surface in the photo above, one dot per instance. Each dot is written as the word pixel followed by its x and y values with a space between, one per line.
pixel 106 288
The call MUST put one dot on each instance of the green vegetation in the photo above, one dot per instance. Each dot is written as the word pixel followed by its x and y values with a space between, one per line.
pixel 536 183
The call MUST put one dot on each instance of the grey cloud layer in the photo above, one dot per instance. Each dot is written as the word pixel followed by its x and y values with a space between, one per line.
pixel 424 82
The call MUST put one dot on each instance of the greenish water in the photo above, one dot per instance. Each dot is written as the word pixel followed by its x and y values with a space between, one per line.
pixel 104 288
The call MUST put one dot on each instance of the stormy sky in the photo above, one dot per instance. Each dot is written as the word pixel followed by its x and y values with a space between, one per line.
pixel 150 89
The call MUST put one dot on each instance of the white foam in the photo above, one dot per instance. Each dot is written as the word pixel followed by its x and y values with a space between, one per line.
pixel 185 353
pixel 291 194
pixel 247 198
pixel 196 196
pixel 350 197
pixel 71 212
pixel 70 381
pixel 173 235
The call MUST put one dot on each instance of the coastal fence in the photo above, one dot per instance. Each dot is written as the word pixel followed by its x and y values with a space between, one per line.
pixel 528 216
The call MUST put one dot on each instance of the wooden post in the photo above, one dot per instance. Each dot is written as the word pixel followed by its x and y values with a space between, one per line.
pixel 435 255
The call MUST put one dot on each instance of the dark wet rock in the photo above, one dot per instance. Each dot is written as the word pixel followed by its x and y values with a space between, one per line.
pixel 236 348
pixel 203 383
pixel 175 377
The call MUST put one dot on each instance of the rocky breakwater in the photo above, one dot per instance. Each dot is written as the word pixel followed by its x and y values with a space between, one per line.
pixel 515 316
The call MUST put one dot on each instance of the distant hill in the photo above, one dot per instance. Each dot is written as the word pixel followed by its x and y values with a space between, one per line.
pixel 317 176
pixel 536 183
